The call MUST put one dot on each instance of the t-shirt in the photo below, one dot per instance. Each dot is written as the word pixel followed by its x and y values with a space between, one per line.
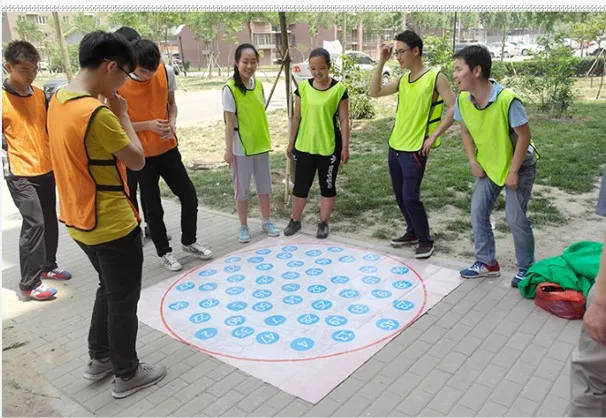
pixel 229 105
pixel 517 117
pixel 172 80
pixel 115 216
pixel 601 209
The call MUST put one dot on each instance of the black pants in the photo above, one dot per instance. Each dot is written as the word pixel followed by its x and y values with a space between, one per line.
pixel 327 168
pixel 37 202
pixel 170 167
pixel 114 324
pixel 407 170
pixel 133 184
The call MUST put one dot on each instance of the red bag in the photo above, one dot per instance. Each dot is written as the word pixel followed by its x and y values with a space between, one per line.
pixel 567 304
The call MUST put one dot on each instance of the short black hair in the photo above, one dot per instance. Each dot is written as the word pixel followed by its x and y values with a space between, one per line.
pixel 98 46
pixel 321 52
pixel 475 55
pixel 410 38
pixel 147 53
pixel 129 33
pixel 21 51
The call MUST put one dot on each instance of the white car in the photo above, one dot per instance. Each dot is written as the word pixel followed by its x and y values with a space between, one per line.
pixel 511 49
pixel 361 60
pixel 595 47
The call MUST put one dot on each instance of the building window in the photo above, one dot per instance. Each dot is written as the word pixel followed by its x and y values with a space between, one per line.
pixel 42 20
pixel 20 18
pixel 263 40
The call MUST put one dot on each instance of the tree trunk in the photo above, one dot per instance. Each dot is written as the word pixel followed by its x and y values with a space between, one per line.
pixel 289 101
pixel 404 14
pixel 344 31
pixel 503 43
pixel 360 36
pixel 250 31
pixel 67 64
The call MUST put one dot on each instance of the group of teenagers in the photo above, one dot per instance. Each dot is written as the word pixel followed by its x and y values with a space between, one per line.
pixel 112 130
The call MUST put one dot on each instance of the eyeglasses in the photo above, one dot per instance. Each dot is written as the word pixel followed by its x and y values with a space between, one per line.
pixel 400 52
pixel 120 67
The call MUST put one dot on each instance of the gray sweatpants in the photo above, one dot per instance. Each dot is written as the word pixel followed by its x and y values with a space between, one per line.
pixel 588 376
pixel 244 167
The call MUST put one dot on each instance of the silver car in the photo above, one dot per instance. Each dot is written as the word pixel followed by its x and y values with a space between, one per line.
pixel 361 60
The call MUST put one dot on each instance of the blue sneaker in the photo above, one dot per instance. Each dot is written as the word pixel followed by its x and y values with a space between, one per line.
pixel 518 277
pixel 479 270
pixel 270 229
pixel 244 236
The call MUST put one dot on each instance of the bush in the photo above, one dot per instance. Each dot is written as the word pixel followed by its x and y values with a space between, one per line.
pixel 357 83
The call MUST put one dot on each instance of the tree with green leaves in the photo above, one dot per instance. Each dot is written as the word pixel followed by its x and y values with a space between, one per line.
pixel 29 31
pixel 504 22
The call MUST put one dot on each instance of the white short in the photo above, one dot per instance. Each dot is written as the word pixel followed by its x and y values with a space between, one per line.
pixel 244 167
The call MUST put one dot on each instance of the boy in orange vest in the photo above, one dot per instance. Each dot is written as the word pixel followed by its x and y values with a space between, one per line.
pixel 90 145
pixel 153 113
pixel 29 173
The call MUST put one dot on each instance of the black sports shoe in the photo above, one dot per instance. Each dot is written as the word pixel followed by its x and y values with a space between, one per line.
pixel 292 227
pixel 424 251
pixel 322 230
pixel 407 239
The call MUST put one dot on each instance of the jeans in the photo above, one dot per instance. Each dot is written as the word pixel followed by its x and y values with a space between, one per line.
pixel 484 195
pixel 114 323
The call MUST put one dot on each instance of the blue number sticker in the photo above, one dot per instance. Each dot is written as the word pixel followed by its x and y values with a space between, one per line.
pixel 255 260
pixel 388 324
pixel 358 309
pixel 335 249
pixel 316 288
pixel 290 275
pixel 340 279
pixel 261 294
pixel 349 293
pixel 308 319
pixel 336 320
pixel 264 251
pixel 371 279
pixel 265 280
pixel 236 278
pixel 265 266
pixel 368 269
pixel 267 337
pixel 295 264
pixel 206 333
pixel 236 306
pixel 209 303
pixel 347 259
pixel 262 306
pixel 275 320
pixel 323 261
pixel 290 248
pixel 371 257
pixel 231 260
pixel 292 300
pixel 233 291
pixel 207 287
pixel 291 287
pixel 177 306
pixel 242 332
pixel 343 336
pixel 234 321
pixel 321 305
pixel 183 287
pixel 198 318
pixel 381 293
pixel 314 271
pixel 313 253
pixel 302 344
pixel 402 284
pixel 403 305
pixel 399 270
pixel 284 256
pixel 207 273
pixel 232 268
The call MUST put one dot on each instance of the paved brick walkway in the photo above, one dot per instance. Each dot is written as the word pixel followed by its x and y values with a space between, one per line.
pixel 483 350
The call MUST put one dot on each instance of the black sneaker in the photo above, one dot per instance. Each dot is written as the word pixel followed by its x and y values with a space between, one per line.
pixel 322 230
pixel 292 227
pixel 424 251
pixel 407 239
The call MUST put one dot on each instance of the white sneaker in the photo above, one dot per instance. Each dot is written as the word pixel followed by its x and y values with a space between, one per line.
pixel 170 262
pixel 199 251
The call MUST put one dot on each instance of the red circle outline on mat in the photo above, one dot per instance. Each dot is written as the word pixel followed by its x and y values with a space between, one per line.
pixel 392 335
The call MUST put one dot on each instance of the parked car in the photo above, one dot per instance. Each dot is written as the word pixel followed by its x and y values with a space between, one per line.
pixel 51 86
pixel 529 48
pixel 596 46
pixel 511 49
pixel 361 60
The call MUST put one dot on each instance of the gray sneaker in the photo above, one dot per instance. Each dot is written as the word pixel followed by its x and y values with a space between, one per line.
pixel 98 369
pixel 146 375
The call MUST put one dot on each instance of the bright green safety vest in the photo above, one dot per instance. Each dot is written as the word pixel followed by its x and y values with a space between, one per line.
pixel 316 134
pixel 417 117
pixel 252 120
pixel 489 128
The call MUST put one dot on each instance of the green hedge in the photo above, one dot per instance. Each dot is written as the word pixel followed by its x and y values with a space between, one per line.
pixel 532 67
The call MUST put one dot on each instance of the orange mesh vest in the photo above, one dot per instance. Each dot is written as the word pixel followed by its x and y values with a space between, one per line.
pixel 148 100
pixel 68 125
pixel 24 126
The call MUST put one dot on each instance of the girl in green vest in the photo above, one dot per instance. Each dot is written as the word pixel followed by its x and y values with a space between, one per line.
pixel 247 142
pixel 316 142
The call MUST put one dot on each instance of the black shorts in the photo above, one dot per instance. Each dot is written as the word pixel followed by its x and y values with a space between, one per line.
pixel 305 171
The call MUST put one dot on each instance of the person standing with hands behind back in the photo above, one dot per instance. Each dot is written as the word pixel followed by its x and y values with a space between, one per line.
pixel 316 142
pixel 247 142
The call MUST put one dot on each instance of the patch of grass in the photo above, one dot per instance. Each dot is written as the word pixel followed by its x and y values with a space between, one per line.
pixel 382 233
pixel 42 78
pixel 460 225
pixel 197 83
pixel 542 211
pixel 502 226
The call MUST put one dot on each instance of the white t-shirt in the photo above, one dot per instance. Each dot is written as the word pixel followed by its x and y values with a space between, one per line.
pixel 229 105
